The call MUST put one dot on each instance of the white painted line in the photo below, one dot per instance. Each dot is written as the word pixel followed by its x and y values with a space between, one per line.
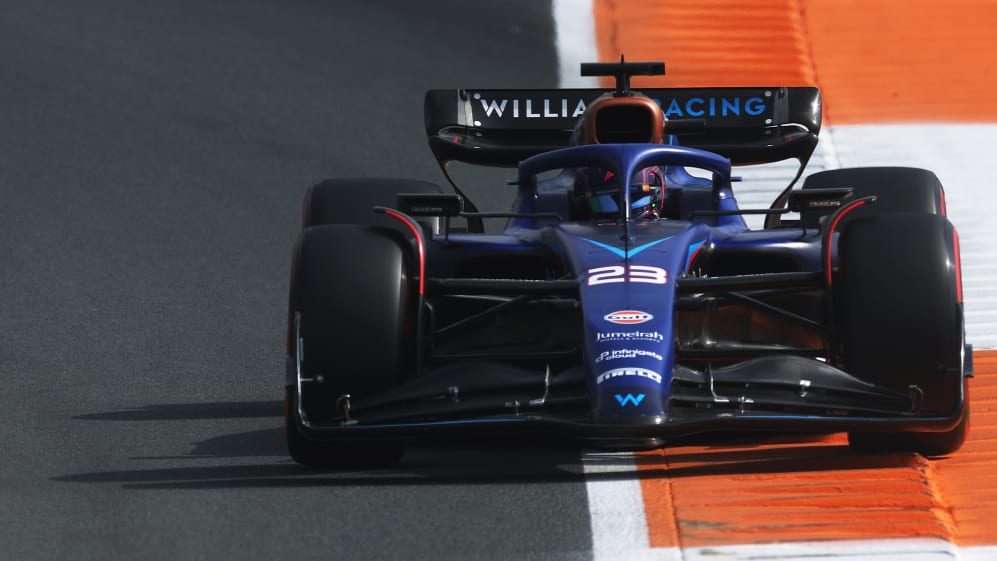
pixel 619 526
pixel 915 549
pixel 981 553
pixel 574 25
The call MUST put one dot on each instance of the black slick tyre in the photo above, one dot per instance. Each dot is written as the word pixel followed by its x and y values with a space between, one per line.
pixel 352 309
pixel 898 321
pixel 897 190
pixel 900 189
pixel 929 444
pixel 350 201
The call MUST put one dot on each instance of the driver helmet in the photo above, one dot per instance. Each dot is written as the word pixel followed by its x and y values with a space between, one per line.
pixel 610 119
pixel 599 191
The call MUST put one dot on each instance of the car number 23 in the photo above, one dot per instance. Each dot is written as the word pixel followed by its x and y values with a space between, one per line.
pixel 629 273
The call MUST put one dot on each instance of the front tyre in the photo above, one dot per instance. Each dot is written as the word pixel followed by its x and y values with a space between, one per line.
pixel 352 305
pixel 898 321
pixel 331 454
pixel 930 444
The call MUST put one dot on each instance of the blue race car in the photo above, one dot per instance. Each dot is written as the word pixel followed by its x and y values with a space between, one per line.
pixel 626 302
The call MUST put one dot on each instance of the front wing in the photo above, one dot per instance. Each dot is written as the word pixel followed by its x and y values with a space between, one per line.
pixel 772 393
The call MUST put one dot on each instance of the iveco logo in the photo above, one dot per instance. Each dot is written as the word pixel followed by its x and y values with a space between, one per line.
pixel 628 317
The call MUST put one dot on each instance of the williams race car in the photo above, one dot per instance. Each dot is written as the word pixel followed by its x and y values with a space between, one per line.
pixel 625 303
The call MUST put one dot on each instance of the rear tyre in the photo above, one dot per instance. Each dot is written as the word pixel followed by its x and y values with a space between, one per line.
pixel 899 320
pixel 350 201
pixel 897 190
pixel 351 293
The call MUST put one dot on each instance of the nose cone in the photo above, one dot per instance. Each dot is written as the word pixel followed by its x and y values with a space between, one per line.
pixel 629 403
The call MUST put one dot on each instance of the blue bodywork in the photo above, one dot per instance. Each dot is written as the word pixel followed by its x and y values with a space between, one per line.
pixel 626 270
pixel 611 359
pixel 604 321
pixel 628 280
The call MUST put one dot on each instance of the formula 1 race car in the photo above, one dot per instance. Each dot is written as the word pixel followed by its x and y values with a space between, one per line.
pixel 626 303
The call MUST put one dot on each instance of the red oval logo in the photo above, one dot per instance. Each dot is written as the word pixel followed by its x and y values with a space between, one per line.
pixel 628 317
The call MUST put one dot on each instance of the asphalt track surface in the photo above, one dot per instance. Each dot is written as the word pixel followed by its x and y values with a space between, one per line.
pixel 152 161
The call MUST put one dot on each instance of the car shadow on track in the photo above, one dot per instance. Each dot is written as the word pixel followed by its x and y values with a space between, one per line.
pixel 258 458
pixel 481 463
pixel 190 411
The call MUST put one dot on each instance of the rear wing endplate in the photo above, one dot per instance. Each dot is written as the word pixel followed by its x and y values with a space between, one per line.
pixel 503 127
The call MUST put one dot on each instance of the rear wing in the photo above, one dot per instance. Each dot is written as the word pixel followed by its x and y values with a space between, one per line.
pixel 503 127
